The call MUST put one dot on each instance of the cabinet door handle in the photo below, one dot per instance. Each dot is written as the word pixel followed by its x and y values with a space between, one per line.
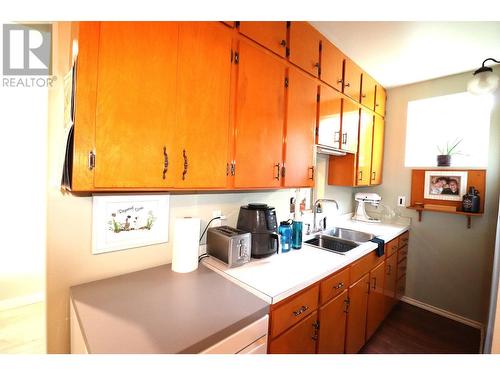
pixel 374 282
pixel 165 162
pixel 311 177
pixel 344 138
pixel 376 104
pixel 339 81
pixel 277 166
pixel 316 65
pixel 389 268
pixel 336 136
pixel 316 329
pixel 347 84
pixel 373 176
pixel 360 175
pixel 368 283
pixel 301 310
pixel 347 302
pixel 283 43
pixel 339 285
pixel 186 165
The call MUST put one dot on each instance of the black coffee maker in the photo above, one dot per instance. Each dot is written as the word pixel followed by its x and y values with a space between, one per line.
pixel 260 220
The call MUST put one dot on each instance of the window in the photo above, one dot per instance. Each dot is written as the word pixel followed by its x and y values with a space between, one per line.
pixel 434 122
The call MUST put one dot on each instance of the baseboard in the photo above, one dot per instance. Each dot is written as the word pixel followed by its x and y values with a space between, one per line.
pixel 12 303
pixel 448 314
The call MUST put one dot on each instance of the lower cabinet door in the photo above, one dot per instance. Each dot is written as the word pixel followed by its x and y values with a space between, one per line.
pixel 356 317
pixel 376 300
pixel 300 339
pixel 390 282
pixel 332 317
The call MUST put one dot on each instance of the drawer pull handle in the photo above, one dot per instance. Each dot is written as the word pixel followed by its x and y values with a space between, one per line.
pixel 339 285
pixel 186 165
pixel 374 282
pixel 389 269
pixel 165 162
pixel 301 310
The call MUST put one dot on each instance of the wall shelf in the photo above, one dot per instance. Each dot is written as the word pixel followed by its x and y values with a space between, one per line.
pixel 469 215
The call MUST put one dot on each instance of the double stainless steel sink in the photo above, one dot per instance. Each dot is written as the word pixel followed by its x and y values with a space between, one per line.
pixel 339 240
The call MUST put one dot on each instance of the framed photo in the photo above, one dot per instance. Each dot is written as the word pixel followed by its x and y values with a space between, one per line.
pixel 445 185
pixel 126 221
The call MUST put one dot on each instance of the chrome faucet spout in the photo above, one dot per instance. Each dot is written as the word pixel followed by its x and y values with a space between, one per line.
pixel 315 209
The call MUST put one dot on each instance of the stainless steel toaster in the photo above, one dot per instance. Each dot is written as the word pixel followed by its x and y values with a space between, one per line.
pixel 230 245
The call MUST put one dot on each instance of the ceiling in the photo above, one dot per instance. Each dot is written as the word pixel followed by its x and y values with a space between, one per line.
pixel 399 53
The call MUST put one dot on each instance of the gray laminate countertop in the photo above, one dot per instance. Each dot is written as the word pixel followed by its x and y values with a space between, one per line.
pixel 159 311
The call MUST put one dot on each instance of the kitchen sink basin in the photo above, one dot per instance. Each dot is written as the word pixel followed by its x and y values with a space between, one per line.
pixel 348 234
pixel 329 243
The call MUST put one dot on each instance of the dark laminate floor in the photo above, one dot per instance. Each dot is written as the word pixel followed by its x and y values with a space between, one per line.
pixel 411 330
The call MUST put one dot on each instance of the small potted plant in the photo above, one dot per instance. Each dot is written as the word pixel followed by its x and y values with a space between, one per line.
pixel 445 153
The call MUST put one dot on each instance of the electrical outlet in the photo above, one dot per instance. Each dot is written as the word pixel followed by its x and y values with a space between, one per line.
pixel 218 222
pixel 402 201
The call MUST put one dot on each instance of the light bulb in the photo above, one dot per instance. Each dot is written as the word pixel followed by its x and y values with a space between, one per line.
pixel 483 82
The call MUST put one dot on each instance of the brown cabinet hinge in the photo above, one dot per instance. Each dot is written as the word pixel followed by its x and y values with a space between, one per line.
pixel 283 170
pixel 237 23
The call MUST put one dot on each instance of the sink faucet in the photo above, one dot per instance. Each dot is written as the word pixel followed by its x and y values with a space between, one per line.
pixel 315 209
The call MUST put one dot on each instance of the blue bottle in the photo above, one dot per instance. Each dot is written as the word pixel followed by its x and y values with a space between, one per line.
pixel 296 234
pixel 285 231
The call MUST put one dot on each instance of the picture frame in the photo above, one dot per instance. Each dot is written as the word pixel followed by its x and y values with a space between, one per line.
pixel 445 185
pixel 127 221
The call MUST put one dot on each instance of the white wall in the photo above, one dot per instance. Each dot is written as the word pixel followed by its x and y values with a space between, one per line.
pixel 449 266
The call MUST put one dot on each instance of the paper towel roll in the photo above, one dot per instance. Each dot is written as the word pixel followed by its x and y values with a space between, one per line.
pixel 186 244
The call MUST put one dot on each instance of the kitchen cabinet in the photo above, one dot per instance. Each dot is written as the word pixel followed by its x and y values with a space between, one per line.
pixel 260 111
pixel 356 318
pixel 350 126
pixel 204 66
pixel 390 282
pixel 305 47
pixel 300 339
pixel 380 98
pixel 352 79
pixel 368 91
pixel 300 130
pixel 376 300
pixel 330 112
pixel 269 34
pixel 377 150
pixel 364 157
pixel 332 64
pixel 135 111
pixel 332 318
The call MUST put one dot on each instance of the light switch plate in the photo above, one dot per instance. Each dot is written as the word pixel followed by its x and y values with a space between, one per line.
pixel 402 201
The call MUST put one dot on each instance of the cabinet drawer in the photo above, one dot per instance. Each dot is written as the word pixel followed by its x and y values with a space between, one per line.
pixel 403 239
pixel 364 265
pixel 402 253
pixel 392 247
pixel 401 268
pixel 293 310
pixel 334 285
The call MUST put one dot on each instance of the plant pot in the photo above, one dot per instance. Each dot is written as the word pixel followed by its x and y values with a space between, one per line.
pixel 444 160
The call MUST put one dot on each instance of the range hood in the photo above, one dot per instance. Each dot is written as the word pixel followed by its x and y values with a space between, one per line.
pixel 329 150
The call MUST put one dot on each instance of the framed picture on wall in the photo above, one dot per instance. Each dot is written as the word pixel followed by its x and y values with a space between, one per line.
pixel 126 221
pixel 445 185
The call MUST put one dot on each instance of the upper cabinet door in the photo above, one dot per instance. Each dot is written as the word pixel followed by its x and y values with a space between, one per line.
pixel 260 111
pixel 352 79
pixel 304 46
pixel 380 98
pixel 203 93
pixel 135 106
pixel 378 151
pixel 269 34
pixel 300 129
pixel 332 65
pixel 350 126
pixel 365 148
pixel 368 91
pixel 330 109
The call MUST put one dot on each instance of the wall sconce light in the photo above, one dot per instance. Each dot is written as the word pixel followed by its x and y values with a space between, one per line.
pixel 484 80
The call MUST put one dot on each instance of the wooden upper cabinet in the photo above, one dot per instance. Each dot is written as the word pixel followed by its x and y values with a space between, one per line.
pixel 330 110
pixel 304 46
pixel 368 91
pixel 300 129
pixel 380 98
pixel 378 151
pixel 270 34
pixel 260 110
pixel 332 317
pixel 352 79
pixel 350 126
pixel 136 104
pixel 365 148
pixel 332 65
pixel 376 300
pixel 203 93
pixel 356 317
